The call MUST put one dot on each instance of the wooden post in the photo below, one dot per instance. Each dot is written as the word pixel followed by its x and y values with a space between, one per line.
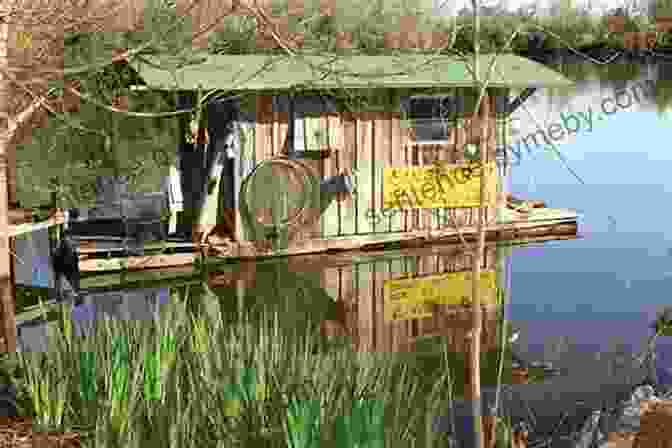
pixel 11 174
pixel 54 238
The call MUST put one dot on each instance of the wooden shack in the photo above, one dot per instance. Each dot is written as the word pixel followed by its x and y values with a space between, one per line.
pixel 333 150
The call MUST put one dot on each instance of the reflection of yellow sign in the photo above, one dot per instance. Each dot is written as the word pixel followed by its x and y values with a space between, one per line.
pixel 406 311
pixel 441 186
pixel 413 298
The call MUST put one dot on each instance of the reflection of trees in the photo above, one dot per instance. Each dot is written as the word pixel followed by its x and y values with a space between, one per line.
pixel 298 298
pixel 577 68
pixel 621 72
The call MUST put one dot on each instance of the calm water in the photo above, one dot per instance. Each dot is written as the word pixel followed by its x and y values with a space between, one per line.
pixel 604 288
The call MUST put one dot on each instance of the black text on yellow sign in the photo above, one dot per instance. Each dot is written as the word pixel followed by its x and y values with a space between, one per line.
pixel 24 39
pixel 414 298
pixel 438 186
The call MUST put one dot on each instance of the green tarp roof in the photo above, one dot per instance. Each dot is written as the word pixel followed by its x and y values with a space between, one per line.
pixel 270 72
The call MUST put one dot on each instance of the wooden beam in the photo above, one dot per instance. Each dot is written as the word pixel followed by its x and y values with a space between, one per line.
pixel 20 229
pixel 87 247
pixel 20 215
pixel 136 263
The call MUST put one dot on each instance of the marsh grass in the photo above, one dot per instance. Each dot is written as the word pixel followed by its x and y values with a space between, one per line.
pixel 228 384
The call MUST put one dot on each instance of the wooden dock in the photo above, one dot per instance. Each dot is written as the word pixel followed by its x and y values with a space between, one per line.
pixel 539 225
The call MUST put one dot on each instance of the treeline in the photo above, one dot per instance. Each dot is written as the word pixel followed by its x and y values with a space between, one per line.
pixel 370 28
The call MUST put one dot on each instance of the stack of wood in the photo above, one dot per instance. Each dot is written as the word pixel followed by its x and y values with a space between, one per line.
pixel 518 438
pixel 522 206
pixel 519 376
pixel 655 430
pixel 20 216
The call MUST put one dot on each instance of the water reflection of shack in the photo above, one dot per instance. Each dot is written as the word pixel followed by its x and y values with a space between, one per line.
pixel 354 291
pixel 430 288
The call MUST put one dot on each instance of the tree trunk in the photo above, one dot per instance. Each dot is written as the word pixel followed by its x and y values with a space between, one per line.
pixel 8 335
pixel 475 345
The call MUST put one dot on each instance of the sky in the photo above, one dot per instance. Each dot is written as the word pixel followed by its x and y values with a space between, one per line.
pixel 451 6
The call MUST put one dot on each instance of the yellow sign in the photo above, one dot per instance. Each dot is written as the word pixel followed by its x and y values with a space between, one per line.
pixel 438 186
pixel 414 298
pixel 24 39
pixel 405 311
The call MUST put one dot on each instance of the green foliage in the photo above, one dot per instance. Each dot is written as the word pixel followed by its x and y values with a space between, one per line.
pixel 75 151
pixel 363 427
pixel 237 36
pixel 74 148
pixel 664 40
pixel 303 424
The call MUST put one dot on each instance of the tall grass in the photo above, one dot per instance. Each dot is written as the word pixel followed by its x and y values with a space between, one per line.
pixel 227 384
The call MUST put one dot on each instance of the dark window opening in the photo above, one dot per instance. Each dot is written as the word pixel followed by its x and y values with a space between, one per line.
pixel 432 117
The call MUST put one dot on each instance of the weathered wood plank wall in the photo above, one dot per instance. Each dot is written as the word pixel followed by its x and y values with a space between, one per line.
pixel 347 208
pixel 368 142
pixel 332 122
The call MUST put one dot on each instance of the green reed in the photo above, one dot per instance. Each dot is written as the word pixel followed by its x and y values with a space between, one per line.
pixel 156 365
pixel 303 424
pixel 364 427
pixel 119 382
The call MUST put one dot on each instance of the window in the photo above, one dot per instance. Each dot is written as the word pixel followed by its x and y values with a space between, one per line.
pixel 311 131
pixel 432 117
pixel 307 117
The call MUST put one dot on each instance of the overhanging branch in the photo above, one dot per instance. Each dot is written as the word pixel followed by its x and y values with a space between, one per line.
pixel 15 124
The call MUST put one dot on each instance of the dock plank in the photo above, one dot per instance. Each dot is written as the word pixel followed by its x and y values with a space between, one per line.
pixel 514 233
pixel 136 263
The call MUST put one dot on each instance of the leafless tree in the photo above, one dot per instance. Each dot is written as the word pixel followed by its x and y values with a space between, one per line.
pixel 30 58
